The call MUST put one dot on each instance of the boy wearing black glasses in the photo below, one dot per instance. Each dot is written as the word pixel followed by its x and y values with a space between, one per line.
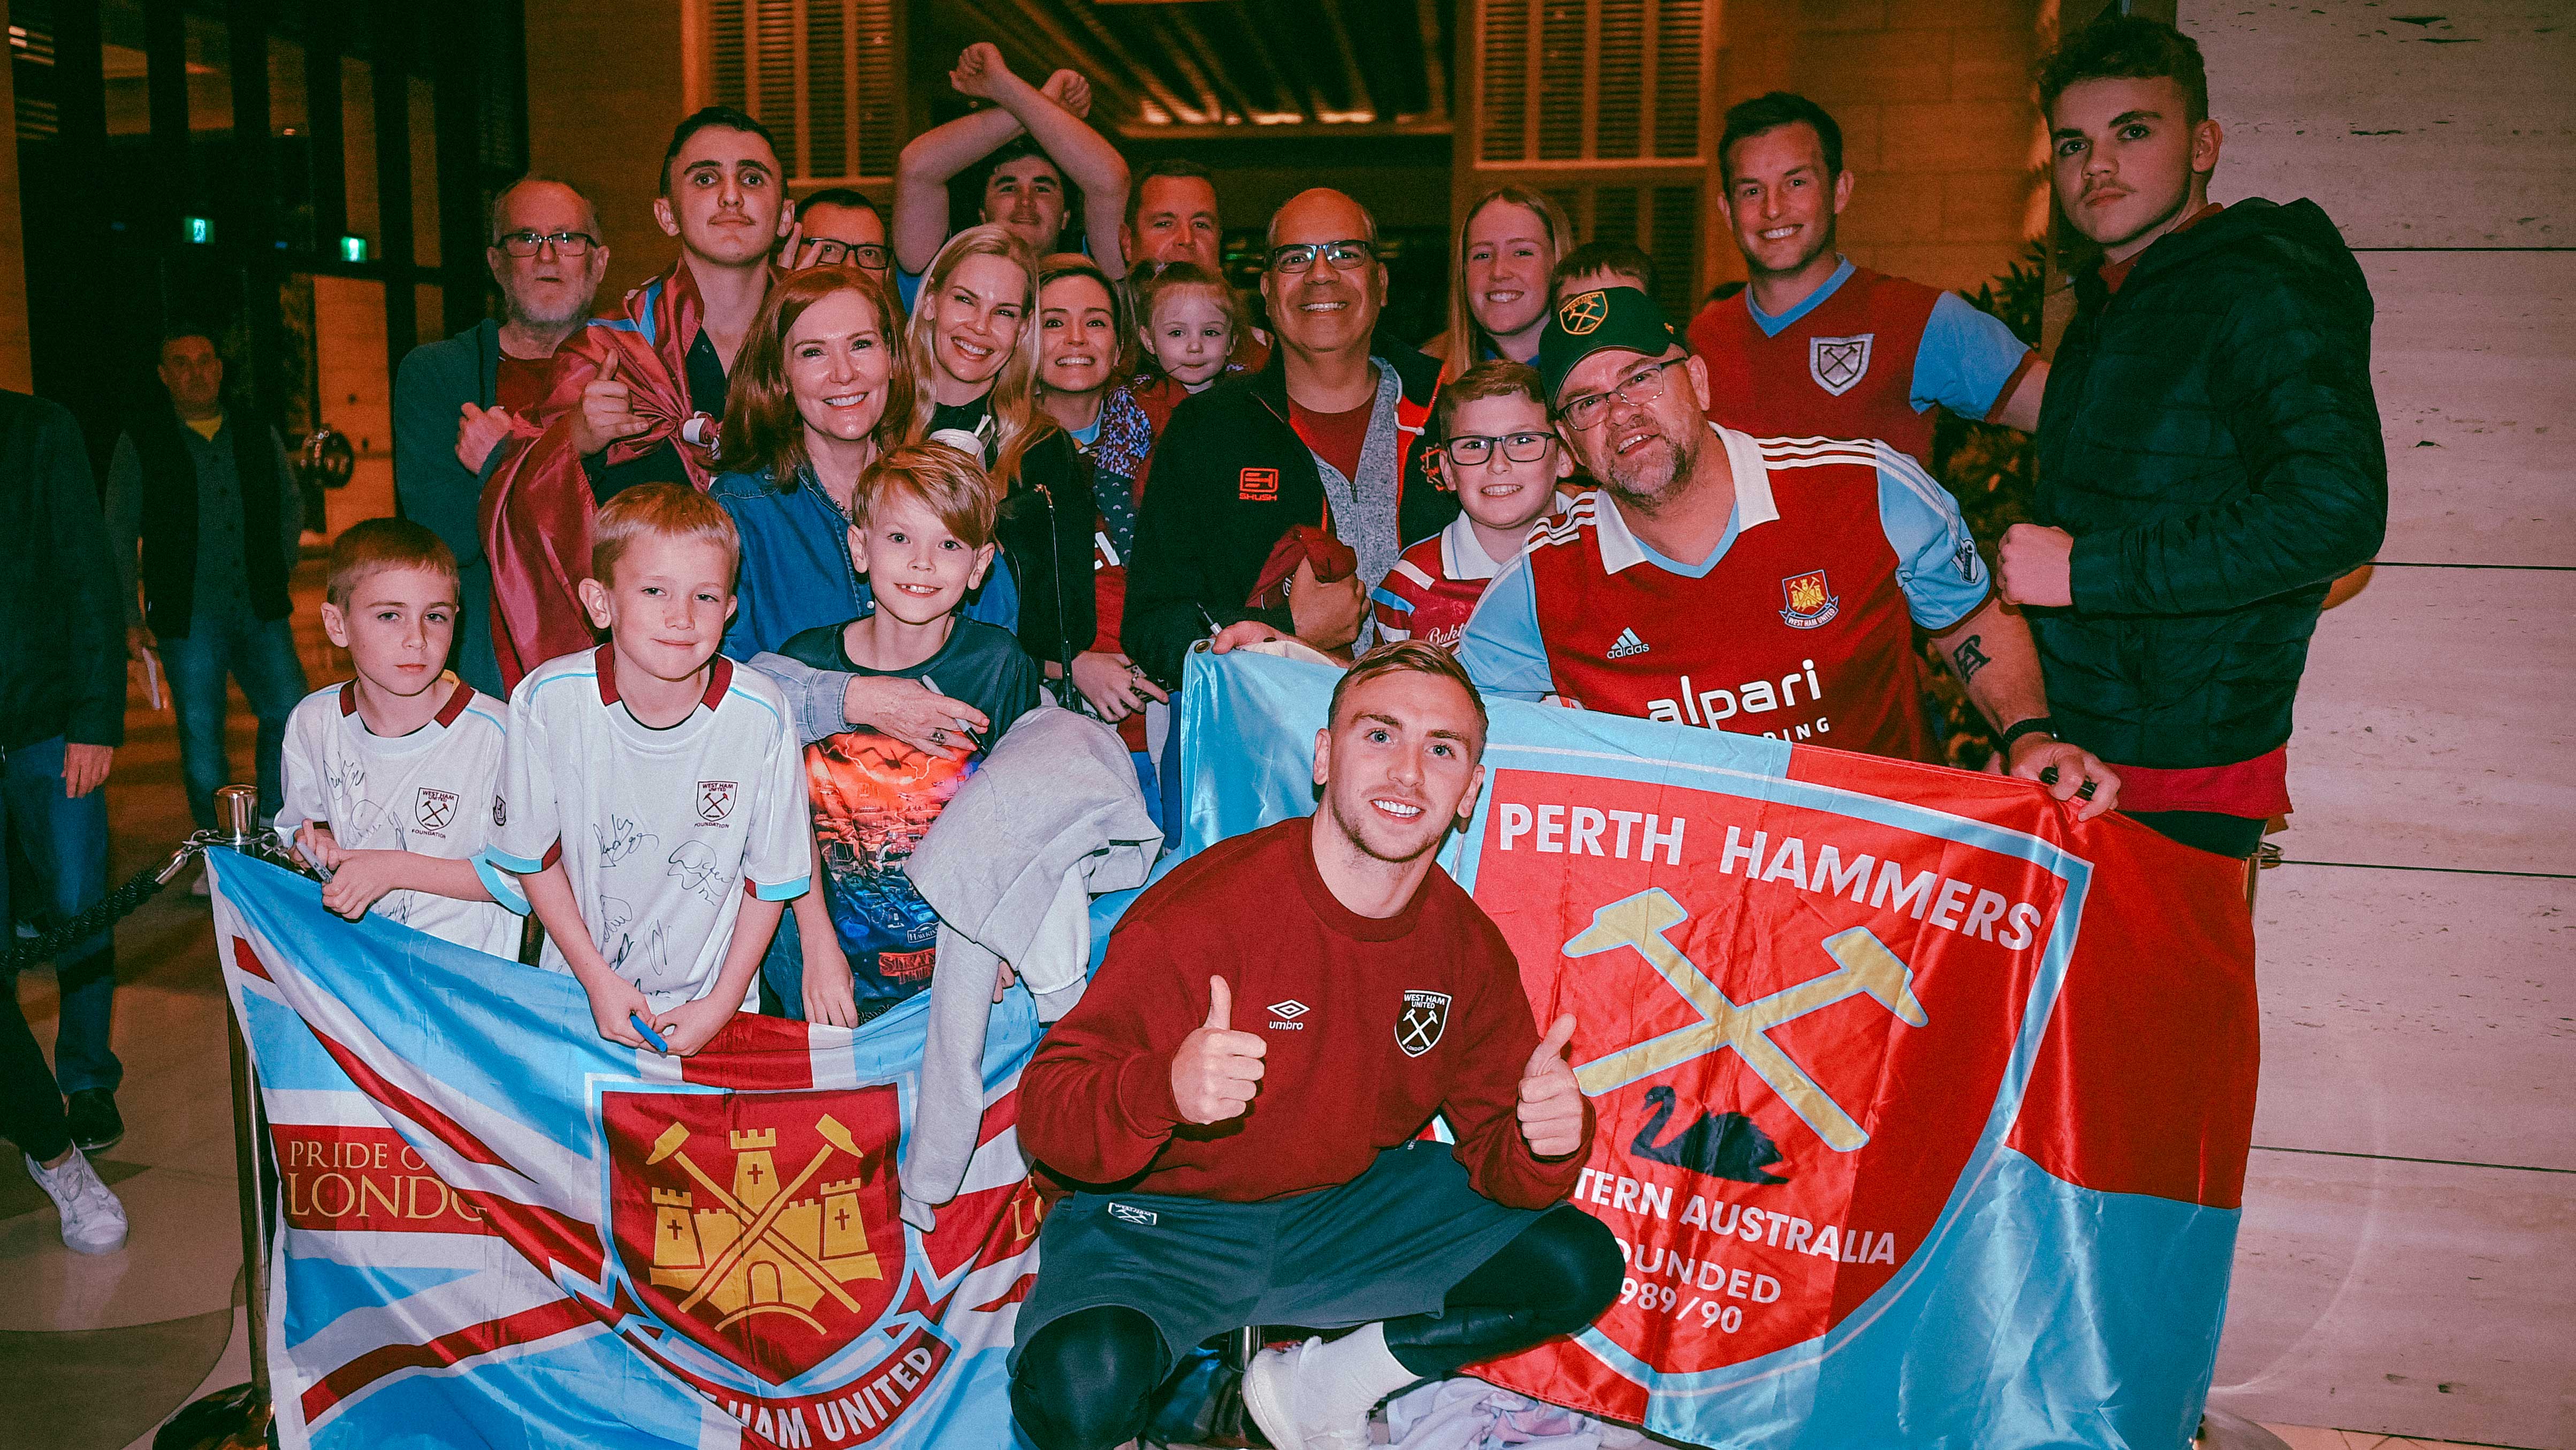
pixel 1500 456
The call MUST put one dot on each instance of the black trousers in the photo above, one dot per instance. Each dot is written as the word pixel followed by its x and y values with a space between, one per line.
pixel 2234 837
pixel 1087 1381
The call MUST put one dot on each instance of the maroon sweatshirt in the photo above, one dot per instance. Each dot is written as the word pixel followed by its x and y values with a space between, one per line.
pixel 1338 996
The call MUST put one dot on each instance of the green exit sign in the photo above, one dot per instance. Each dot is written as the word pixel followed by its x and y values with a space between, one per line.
pixel 198 229
pixel 353 249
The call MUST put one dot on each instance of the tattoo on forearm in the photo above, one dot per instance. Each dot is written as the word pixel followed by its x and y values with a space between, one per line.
pixel 1968 659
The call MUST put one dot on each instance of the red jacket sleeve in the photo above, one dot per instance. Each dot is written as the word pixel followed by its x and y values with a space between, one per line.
pixel 1482 1105
pixel 1096 1102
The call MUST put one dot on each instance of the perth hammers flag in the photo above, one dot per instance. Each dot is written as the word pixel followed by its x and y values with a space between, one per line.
pixel 1923 1109
pixel 499 1229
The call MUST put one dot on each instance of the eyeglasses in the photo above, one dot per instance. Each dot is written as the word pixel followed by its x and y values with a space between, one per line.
pixel 528 244
pixel 1347 255
pixel 830 253
pixel 1472 451
pixel 1637 389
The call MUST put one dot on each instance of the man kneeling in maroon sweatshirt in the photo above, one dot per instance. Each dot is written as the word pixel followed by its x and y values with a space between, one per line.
pixel 1256 1163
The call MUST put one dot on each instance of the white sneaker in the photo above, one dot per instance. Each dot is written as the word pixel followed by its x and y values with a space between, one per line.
pixel 1274 1394
pixel 93 1219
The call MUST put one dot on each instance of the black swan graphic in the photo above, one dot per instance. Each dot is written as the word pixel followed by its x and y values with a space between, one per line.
pixel 1719 1145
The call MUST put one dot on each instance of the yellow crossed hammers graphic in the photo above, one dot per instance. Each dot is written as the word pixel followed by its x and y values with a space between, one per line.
pixel 758 1228
pixel 1863 965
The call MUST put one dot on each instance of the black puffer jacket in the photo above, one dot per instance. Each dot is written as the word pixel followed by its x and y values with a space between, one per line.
pixel 1231 477
pixel 62 632
pixel 2210 439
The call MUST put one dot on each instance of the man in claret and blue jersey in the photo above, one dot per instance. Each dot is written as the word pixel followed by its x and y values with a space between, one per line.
pixel 1818 347
pixel 1717 579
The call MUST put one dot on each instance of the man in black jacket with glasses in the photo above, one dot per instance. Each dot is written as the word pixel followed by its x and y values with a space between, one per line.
pixel 1325 436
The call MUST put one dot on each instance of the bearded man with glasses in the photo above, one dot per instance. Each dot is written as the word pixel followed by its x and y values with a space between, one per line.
pixel 454 400
pixel 1258 476
pixel 1727 582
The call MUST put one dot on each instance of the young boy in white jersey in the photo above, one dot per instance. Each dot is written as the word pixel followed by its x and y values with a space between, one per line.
pixel 1501 456
pixel 652 799
pixel 386 775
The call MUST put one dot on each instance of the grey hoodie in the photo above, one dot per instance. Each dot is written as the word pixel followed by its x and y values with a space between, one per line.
pixel 1054 815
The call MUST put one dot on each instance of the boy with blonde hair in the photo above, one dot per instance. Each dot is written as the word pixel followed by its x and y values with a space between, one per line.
pixel 651 802
pixel 386 775
pixel 923 534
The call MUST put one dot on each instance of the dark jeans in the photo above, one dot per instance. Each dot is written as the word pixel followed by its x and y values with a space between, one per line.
pixel 261 655
pixel 65 843
pixel 1087 1381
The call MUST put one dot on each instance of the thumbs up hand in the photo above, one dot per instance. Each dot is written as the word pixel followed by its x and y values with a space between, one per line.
pixel 607 412
pixel 1551 1109
pixel 1217 1070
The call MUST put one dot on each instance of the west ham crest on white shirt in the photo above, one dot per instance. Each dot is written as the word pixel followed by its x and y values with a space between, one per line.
pixel 1838 363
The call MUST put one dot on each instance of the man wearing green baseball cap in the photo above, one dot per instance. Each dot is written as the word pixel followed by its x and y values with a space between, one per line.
pixel 1729 582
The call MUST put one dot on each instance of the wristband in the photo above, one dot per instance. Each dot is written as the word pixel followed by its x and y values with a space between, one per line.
pixel 2035 725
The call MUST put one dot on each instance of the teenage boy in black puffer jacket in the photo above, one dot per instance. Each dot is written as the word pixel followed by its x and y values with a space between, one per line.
pixel 2210 454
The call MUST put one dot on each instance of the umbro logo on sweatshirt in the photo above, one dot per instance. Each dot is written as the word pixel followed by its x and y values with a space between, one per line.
pixel 1287 1014
pixel 1627 644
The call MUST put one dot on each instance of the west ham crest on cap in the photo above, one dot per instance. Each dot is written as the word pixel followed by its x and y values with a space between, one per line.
pixel 1584 313
pixel 1838 363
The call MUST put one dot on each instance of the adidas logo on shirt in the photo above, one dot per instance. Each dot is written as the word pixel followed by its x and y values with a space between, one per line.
pixel 1627 644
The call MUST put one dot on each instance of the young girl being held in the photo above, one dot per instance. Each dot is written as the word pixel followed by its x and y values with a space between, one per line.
pixel 1190 319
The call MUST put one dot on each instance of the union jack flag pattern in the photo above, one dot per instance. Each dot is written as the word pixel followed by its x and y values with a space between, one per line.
pixel 497 1228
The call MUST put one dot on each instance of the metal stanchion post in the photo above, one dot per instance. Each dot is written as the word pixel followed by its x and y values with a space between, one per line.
pixel 239 1417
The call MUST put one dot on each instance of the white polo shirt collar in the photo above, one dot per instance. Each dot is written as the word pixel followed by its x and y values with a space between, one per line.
pixel 1753 504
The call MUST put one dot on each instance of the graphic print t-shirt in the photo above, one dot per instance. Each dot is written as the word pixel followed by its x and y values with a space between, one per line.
pixel 874 797
pixel 661 832
pixel 426 792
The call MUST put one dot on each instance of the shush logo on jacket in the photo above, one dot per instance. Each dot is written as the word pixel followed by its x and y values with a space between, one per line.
pixel 1810 600
pixel 1257 485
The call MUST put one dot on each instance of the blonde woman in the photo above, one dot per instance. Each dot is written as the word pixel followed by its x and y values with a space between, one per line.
pixel 1508 243
pixel 973 348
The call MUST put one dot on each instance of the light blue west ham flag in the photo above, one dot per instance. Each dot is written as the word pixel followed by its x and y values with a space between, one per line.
pixel 1924 1107
pixel 499 1229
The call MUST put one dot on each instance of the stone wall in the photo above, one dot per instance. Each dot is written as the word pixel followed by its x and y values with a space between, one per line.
pixel 2403 1266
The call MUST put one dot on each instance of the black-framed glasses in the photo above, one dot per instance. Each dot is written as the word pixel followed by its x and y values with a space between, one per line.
pixel 1637 389
pixel 528 244
pixel 830 253
pixel 1469 450
pixel 1347 255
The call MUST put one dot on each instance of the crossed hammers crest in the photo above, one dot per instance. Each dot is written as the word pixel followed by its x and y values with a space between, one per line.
pixel 1863 966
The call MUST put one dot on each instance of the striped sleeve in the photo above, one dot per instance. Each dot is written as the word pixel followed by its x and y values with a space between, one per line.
pixel 1404 590
pixel 1937 565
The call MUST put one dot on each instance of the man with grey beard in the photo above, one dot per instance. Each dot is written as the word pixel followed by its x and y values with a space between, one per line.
pixel 454 401
pixel 1733 583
